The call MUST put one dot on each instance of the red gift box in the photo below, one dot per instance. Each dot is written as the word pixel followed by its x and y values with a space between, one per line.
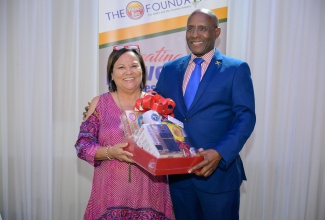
pixel 161 166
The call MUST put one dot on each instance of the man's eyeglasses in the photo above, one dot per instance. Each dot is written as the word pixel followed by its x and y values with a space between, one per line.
pixel 130 47
pixel 199 29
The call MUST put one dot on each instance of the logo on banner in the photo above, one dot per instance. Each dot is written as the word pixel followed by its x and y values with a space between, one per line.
pixel 134 10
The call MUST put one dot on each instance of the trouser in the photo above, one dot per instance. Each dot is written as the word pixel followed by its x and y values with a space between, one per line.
pixel 193 204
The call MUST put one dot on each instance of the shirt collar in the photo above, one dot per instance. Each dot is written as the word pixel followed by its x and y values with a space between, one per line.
pixel 206 57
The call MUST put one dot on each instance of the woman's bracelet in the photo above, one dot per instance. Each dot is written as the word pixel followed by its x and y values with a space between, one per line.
pixel 107 148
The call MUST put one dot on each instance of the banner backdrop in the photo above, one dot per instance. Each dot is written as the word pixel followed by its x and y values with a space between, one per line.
pixel 157 26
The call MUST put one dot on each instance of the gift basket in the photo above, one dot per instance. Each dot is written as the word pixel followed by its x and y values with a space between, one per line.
pixel 157 140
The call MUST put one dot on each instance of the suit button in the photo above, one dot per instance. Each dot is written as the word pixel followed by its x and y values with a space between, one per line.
pixel 186 119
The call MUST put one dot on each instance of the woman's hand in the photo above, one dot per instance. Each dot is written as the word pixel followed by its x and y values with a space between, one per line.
pixel 114 152
pixel 117 152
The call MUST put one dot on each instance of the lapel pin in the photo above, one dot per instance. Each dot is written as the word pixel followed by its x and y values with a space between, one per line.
pixel 217 62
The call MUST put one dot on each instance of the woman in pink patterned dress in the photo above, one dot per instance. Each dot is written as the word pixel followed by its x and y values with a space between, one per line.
pixel 120 188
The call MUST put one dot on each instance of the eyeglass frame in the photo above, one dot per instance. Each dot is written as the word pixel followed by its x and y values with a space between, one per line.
pixel 204 29
pixel 128 47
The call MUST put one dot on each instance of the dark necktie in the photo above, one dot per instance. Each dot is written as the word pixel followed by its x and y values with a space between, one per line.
pixel 193 83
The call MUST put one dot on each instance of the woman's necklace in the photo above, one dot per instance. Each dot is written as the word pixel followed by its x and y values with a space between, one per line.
pixel 119 102
pixel 121 107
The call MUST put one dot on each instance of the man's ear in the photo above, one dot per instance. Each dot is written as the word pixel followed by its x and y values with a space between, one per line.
pixel 217 31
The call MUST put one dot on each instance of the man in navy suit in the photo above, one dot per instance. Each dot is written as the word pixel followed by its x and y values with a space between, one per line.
pixel 219 121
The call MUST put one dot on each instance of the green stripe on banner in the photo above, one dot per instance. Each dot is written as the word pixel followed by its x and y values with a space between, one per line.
pixel 148 36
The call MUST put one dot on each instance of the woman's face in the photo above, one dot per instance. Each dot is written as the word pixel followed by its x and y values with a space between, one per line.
pixel 127 72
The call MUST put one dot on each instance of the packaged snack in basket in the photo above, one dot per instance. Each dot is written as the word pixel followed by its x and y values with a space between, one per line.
pixel 131 121
pixel 158 140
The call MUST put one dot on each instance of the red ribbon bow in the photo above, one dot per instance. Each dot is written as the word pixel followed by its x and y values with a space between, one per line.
pixel 154 101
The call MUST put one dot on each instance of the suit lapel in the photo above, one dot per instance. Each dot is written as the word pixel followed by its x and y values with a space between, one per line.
pixel 180 74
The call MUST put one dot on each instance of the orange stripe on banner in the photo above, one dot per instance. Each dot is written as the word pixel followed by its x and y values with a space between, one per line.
pixel 152 28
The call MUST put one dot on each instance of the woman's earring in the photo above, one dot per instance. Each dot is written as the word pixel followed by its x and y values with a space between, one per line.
pixel 110 86
pixel 142 86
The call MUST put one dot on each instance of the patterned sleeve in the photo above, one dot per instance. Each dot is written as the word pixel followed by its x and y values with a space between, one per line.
pixel 87 143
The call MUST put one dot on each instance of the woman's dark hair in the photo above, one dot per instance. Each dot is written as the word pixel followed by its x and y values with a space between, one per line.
pixel 113 57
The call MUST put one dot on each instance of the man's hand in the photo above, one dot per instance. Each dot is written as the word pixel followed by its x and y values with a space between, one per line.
pixel 208 165
pixel 85 113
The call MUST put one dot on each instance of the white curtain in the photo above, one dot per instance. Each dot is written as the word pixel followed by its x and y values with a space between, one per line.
pixel 283 41
pixel 49 70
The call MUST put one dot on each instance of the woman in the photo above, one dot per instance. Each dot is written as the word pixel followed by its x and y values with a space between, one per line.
pixel 120 188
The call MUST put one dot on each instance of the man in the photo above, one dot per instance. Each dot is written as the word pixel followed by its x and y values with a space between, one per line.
pixel 219 121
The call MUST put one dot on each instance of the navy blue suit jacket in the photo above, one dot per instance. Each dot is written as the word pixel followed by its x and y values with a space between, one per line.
pixel 221 117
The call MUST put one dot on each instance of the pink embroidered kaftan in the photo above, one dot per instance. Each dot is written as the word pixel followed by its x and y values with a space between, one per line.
pixel 112 195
